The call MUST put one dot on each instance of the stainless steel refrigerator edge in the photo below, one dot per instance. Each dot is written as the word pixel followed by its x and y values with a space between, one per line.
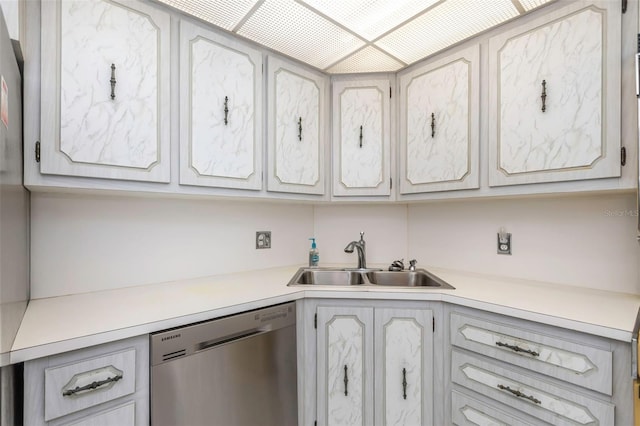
pixel 14 227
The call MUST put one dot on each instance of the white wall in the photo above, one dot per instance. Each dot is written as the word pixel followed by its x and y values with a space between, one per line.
pixel 385 228
pixel 587 241
pixel 89 243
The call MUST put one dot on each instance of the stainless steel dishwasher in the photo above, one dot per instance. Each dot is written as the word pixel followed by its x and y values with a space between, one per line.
pixel 238 370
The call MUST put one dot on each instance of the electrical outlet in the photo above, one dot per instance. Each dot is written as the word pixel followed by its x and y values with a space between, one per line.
pixel 263 239
pixel 504 242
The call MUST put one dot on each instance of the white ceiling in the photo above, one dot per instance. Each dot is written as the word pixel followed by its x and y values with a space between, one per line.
pixel 354 36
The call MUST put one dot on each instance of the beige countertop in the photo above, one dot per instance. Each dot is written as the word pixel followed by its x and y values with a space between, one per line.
pixel 59 324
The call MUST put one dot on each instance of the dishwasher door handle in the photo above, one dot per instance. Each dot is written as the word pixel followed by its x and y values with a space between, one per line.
pixel 231 338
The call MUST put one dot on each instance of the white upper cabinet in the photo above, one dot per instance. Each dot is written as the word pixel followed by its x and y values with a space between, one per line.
pixel 361 138
pixel 105 90
pixel 439 124
pixel 297 127
pixel 220 110
pixel 555 97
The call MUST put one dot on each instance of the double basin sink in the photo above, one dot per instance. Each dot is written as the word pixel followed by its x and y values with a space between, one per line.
pixel 420 278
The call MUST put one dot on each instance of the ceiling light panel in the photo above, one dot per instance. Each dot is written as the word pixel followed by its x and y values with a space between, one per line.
pixel 223 13
pixel 294 30
pixel 368 59
pixel 532 4
pixel 446 24
pixel 370 18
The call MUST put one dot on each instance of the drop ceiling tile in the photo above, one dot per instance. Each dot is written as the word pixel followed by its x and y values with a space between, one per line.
pixel 446 24
pixel 532 4
pixel 369 59
pixel 296 31
pixel 370 18
pixel 223 13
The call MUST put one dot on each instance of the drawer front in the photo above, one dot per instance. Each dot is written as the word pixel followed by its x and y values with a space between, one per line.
pixel 467 411
pixel 579 364
pixel 83 384
pixel 540 399
pixel 124 415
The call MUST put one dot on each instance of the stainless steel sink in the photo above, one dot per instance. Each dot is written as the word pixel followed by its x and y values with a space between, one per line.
pixel 419 278
pixel 328 277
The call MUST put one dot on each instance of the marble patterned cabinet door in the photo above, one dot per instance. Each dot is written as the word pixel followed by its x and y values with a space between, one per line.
pixel 404 375
pixel 297 128
pixel 345 366
pixel 555 97
pixel 361 138
pixel 105 90
pixel 220 110
pixel 439 124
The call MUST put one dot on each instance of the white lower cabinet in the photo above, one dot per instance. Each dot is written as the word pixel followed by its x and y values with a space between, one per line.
pixel 507 371
pixel 101 385
pixel 374 365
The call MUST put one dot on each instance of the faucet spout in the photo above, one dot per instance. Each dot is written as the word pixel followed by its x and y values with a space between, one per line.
pixel 360 247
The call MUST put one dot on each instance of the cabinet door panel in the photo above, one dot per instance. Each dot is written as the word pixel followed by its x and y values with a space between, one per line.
pixel 404 383
pixel 557 91
pixel 361 138
pixel 440 125
pixel 220 111
pixel 105 90
pixel 345 368
pixel 297 126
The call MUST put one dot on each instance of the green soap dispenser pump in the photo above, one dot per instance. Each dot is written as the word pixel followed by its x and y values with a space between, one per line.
pixel 314 254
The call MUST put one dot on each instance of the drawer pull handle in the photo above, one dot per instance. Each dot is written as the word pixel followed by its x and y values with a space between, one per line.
pixel 300 129
pixel 519 394
pixel 346 381
pixel 113 81
pixel 226 110
pixel 433 125
pixel 404 383
pixel 544 95
pixel 516 348
pixel 360 136
pixel 92 386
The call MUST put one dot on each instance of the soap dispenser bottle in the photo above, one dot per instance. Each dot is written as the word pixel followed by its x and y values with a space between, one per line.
pixel 314 254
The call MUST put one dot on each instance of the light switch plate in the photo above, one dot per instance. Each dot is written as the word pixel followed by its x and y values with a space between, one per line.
pixel 263 239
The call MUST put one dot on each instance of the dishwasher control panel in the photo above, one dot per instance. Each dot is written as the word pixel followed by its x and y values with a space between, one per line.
pixel 177 343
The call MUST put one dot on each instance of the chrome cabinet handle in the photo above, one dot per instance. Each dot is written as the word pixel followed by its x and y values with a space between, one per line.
pixel 544 95
pixel 516 348
pixel 346 381
pixel 300 129
pixel 433 125
pixel 404 383
pixel 519 394
pixel 113 81
pixel 226 110
pixel 360 136
pixel 92 386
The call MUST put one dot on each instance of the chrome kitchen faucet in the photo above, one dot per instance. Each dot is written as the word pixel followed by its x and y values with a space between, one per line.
pixel 360 246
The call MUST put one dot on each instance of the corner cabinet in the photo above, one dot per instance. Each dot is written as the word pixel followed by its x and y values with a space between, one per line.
pixel 439 124
pixel 374 365
pixel 361 138
pixel 105 90
pixel 297 128
pixel 220 110
pixel 555 97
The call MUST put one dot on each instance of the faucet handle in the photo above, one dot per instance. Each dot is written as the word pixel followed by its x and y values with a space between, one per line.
pixel 361 235
pixel 412 264
pixel 397 265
